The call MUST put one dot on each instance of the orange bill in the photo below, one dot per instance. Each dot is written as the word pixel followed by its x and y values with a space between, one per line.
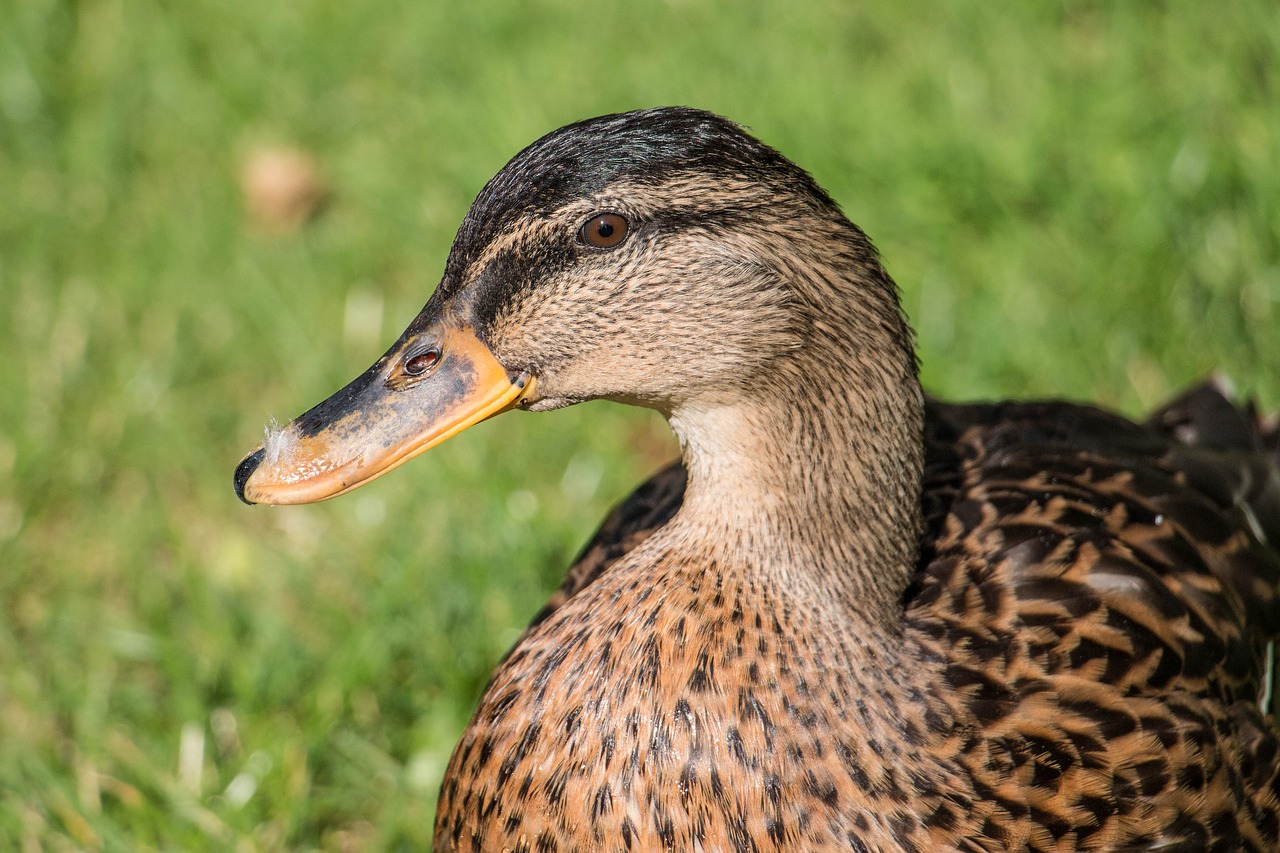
pixel 429 387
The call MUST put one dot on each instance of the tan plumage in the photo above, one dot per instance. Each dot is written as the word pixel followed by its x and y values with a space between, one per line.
pixel 850 619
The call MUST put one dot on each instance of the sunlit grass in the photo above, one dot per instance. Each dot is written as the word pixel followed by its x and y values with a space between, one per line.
pixel 1078 200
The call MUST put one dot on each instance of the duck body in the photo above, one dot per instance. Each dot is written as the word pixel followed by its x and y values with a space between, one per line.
pixel 1073 670
pixel 850 618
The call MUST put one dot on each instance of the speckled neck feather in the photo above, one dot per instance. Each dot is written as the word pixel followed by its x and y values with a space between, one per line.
pixel 828 440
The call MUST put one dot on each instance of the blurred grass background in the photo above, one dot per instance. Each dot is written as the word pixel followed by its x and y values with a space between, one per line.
pixel 1079 199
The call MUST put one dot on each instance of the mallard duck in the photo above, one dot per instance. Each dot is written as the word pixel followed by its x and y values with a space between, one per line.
pixel 851 618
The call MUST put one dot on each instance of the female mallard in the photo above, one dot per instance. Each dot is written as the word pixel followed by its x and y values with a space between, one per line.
pixel 868 621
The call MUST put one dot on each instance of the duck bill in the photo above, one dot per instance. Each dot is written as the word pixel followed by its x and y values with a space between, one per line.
pixel 381 420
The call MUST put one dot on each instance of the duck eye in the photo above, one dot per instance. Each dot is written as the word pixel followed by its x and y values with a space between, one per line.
pixel 422 362
pixel 604 230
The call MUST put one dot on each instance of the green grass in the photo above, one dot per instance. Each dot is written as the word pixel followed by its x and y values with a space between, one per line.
pixel 1078 199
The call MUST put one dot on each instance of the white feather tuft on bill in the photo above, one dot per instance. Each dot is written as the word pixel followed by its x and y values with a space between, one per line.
pixel 277 441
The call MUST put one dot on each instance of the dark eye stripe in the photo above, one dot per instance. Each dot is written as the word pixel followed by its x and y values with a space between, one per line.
pixel 604 230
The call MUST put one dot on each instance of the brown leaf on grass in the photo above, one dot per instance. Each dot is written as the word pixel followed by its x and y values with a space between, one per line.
pixel 282 188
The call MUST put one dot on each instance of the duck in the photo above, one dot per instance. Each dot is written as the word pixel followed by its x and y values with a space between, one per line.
pixel 850 617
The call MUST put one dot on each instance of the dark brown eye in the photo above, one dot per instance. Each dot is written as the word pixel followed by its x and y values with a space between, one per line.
pixel 422 362
pixel 604 230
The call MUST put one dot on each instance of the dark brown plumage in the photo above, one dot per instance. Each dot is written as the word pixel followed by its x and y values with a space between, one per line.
pixel 851 619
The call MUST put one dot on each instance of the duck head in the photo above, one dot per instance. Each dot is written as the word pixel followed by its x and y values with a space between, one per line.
pixel 663 258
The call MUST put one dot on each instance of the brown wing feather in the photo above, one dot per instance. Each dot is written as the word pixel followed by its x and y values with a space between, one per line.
pixel 1104 598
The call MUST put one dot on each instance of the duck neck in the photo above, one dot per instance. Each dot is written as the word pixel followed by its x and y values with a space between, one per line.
pixel 812 478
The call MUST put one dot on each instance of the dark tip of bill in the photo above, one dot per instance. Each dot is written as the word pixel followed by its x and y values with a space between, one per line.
pixel 245 470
